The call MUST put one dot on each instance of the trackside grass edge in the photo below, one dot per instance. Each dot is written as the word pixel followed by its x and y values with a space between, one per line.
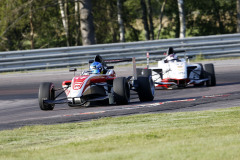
pixel 212 135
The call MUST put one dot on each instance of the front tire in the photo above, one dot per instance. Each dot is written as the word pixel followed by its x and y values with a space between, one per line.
pixel 143 72
pixel 46 92
pixel 210 74
pixel 146 89
pixel 121 91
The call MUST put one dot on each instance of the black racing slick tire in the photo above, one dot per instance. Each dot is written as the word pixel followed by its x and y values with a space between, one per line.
pixel 210 74
pixel 146 88
pixel 46 92
pixel 121 91
pixel 143 72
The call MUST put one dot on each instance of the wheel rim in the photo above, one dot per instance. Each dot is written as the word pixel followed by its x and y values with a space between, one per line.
pixel 152 86
pixel 127 91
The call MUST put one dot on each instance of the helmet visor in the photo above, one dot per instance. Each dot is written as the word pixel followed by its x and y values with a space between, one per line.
pixel 96 71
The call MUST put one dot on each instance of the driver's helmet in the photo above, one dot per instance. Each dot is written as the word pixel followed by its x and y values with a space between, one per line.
pixel 96 68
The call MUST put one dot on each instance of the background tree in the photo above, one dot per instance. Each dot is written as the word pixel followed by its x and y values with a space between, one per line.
pixel 105 21
pixel 86 20
pixel 132 16
pixel 120 20
pixel 63 10
pixel 49 31
pixel 217 17
pixel 202 18
pixel 77 23
pixel 145 19
pixel 27 24
pixel 150 17
pixel 31 24
pixel 160 18
pixel 181 18
pixel 238 16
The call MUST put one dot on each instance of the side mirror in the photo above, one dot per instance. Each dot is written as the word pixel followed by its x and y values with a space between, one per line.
pixel 72 69
pixel 189 57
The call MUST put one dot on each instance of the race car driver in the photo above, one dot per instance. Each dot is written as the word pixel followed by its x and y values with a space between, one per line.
pixel 96 68
pixel 170 55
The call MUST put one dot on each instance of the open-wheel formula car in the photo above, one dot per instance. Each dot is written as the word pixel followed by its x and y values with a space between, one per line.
pixel 173 72
pixel 97 85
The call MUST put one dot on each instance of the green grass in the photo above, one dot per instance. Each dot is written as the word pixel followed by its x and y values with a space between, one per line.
pixel 212 135
pixel 200 58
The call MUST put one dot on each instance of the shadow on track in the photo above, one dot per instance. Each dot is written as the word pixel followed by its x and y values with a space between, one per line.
pixel 228 84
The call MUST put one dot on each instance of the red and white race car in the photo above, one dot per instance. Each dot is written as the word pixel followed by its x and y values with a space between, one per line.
pixel 97 87
pixel 173 72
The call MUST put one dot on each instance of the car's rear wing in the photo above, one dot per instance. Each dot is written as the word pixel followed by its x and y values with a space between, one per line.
pixel 118 60
pixel 179 51
pixel 170 50
pixel 112 60
pixel 98 58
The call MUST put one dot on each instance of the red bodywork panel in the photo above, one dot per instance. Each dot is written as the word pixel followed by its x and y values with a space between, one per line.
pixel 78 81
pixel 177 81
pixel 66 82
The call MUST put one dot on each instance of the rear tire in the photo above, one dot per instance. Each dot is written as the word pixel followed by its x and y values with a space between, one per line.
pixel 210 74
pixel 46 92
pixel 146 88
pixel 121 91
pixel 144 72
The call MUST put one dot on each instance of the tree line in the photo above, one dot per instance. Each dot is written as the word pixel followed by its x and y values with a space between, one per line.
pixel 33 24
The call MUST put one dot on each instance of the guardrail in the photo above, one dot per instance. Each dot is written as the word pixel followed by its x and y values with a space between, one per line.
pixel 208 46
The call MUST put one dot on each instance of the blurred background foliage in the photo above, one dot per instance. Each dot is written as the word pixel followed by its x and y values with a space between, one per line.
pixel 33 24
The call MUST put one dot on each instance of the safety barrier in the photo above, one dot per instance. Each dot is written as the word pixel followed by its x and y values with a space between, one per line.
pixel 208 46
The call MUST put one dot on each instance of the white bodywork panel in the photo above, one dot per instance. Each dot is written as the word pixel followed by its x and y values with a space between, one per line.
pixel 173 69
pixel 177 69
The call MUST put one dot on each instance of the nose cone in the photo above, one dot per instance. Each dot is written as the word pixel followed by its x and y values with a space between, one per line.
pixel 78 85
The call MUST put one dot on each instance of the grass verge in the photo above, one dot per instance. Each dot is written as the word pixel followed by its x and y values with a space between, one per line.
pixel 186 135
pixel 200 58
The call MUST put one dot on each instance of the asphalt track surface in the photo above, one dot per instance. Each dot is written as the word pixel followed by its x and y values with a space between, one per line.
pixel 19 97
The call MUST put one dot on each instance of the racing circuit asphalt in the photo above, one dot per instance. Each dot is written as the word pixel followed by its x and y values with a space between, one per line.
pixel 19 102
